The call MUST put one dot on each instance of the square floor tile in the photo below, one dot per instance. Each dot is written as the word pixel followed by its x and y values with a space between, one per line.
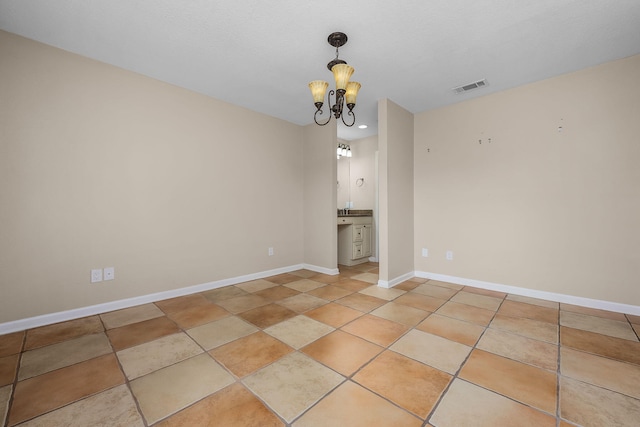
pixel 486 292
pixel 376 329
pixel 387 371
pixel 256 285
pixel 441 353
pixel 333 314
pixel 533 301
pixel 633 319
pixel 8 369
pixel 367 277
pixel 420 301
pixel 330 292
pixel 130 315
pixel 466 404
pixel 221 331
pixel 400 313
pixel 65 353
pixel 603 345
pixel 591 406
pixel 524 383
pixel 283 278
pixel 302 302
pixel 5 397
pixel 354 406
pixel 541 331
pixel 477 300
pixel 352 284
pixel 151 356
pixel 242 303
pixel 232 406
pixel 453 329
pixel 267 315
pixel 174 305
pixel 342 352
pixel 246 355
pixel 292 384
pixel 304 273
pixel 408 285
pixel 113 407
pixel 304 285
pixel 387 294
pixel 11 343
pixel 447 285
pixel 141 332
pixel 467 313
pixel 299 331
pixel 52 334
pixel 599 325
pixel 516 347
pixel 361 302
pixel 223 293
pixel 434 291
pixel 37 395
pixel 198 315
pixel 611 374
pixel 593 312
pixel 326 278
pixel 277 293
pixel 168 390
pixel 529 311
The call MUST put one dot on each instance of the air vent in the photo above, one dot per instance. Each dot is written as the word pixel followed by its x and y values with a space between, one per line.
pixel 471 86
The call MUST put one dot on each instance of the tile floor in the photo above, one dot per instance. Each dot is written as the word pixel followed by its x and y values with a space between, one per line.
pixel 307 349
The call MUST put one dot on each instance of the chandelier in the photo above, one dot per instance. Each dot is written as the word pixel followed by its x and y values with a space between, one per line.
pixel 345 89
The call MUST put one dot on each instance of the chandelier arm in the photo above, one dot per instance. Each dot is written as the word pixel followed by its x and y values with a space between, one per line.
pixel 351 113
pixel 315 119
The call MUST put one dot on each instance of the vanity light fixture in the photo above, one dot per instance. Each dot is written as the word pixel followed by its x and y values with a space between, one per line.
pixel 346 91
pixel 343 150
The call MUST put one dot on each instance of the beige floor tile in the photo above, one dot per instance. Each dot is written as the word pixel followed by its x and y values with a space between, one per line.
pixel 174 305
pixel 466 404
pixel 487 292
pixel 198 315
pixel 342 352
pixel 256 285
pixel 66 353
pixel 11 343
pixel 477 300
pixel 533 301
pixel 367 277
pixel 277 293
pixel 376 329
pixel 352 284
pixel 299 331
pixel 221 331
pixel 333 314
pixel 593 312
pixel 283 278
pixel 326 278
pixel 304 285
pixel 8 369
pixel 151 356
pixel 599 325
pixel 267 315
pixel 610 374
pixel 529 311
pixel 242 303
pixel 382 293
pixel 51 334
pixel 304 273
pixel 246 355
pixel 453 329
pixel 130 315
pixel 292 384
pixel 113 407
pixel 441 353
pixel 141 332
pixel 537 353
pixel 467 313
pixel 408 285
pixel 603 345
pixel 354 406
pixel 400 313
pixel 420 301
pixel 361 302
pixel 637 329
pixel 224 293
pixel 591 406
pixel 434 291
pixel 168 390
pixel 447 285
pixel 388 370
pixel 524 383
pixel 38 395
pixel 330 292
pixel 5 396
pixel 302 302
pixel 232 406
pixel 529 328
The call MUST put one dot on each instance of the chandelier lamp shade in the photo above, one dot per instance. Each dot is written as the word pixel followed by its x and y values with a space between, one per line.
pixel 346 91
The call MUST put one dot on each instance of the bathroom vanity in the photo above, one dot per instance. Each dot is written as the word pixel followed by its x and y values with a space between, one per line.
pixel 354 236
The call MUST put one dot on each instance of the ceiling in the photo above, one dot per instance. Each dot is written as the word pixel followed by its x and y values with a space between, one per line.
pixel 261 54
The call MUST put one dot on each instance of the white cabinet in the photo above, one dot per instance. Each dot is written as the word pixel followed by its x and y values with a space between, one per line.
pixel 354 240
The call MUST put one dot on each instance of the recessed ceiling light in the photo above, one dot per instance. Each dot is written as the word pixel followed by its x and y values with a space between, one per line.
pixel 362 126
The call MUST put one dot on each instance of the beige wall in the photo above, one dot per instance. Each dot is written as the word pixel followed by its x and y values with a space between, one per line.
pixel 539 208
pixel 395 144
pixel 103 167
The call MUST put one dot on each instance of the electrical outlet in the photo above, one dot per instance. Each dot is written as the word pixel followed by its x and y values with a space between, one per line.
pixel 270 251
pixel 109 273
pixel 96 275
pixel 449 255
pixel 425 252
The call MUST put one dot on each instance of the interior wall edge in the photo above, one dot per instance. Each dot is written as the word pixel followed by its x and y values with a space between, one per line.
pixel 396 281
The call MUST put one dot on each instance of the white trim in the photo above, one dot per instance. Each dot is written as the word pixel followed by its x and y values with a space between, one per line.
pixel 391 283
pixel 76 313
pixel 533 293
pixel 373 259
pixel 324 270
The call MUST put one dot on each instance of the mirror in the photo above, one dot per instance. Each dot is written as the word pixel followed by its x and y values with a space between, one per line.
pixel 344 179
pixel 357 180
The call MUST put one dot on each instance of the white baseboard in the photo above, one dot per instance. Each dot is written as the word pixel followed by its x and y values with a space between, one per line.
pixel 323 270
pixel 391 283
pixel 550 296
pixel 62 316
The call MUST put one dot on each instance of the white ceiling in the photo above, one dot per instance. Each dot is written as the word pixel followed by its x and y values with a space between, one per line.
pixel 261 54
